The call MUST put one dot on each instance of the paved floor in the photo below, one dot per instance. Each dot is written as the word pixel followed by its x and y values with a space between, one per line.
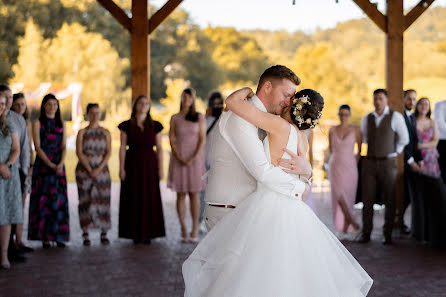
pixel 407 269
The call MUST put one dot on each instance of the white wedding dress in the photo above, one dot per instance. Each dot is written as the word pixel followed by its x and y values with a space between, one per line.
pixel 272 245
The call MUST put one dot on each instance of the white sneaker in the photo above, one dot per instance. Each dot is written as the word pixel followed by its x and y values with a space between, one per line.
pixel 354 235
pixel 202 228
pixel 341 235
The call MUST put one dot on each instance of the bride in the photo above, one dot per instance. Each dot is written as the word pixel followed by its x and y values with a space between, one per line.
pixel 272 245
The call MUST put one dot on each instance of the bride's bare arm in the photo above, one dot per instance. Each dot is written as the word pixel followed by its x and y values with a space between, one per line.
pixel 238 103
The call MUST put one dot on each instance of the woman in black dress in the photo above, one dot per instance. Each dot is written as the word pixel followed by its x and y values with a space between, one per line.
pixel 140 210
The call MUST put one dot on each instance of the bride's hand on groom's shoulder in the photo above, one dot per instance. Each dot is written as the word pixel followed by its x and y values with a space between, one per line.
pixel 298 164
pixel 237 96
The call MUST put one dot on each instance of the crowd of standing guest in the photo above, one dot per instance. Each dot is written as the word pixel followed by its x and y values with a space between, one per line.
pixel 386 132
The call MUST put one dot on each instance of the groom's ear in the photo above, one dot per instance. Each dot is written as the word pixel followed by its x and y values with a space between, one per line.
pixel 268 86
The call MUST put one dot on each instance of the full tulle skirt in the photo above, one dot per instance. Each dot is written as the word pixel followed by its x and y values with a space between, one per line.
pixel 272 246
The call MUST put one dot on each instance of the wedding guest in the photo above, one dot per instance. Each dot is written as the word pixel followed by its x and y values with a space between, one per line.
pixel 187 165
pixel 141 169
pixel 310 198
pixel 20 107
pixel 93 148
pixel 10 202
pixel 440 118
pixel 434 190
pixel 343 173
pixel 385 132
pixel 213 112
pixel 412 156
pixel 23 162
pixel 48 204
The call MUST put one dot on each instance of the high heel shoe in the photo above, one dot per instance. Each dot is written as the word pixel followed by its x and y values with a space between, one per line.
pixel 193 239
pixel 87 241
pixel 104 239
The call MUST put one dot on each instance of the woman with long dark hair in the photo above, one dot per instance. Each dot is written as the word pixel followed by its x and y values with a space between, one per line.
pixel 48 206
pixel 140 169
pixel 432 208
pixel 187 137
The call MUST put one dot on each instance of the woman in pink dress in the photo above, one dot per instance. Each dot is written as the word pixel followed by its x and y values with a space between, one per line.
pixel 343 172
pixel 187 136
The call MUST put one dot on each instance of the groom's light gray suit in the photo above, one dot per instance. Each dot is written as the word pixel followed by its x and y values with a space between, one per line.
pixel 237 162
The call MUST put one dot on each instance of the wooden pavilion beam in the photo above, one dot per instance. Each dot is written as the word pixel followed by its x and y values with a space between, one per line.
pixel 140 49
pixel 162 14
pixel 394 82
pixel 416 12
pixel 373 13
pixel 118 13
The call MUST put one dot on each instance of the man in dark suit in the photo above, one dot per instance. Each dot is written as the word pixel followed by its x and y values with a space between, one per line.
pixel 412 157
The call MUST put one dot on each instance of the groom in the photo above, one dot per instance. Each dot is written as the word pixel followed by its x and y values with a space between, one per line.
pixel 237 157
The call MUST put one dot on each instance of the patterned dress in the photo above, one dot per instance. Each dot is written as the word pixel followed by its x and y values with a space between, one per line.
pixel 430 155
pixel 183 178
pixel 94 194
pixel 48 206
pixel 10 194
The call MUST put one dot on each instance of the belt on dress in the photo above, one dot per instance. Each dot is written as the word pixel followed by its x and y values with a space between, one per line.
pixel 221 205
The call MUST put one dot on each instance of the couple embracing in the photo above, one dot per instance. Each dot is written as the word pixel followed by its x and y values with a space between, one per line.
pixel 264 241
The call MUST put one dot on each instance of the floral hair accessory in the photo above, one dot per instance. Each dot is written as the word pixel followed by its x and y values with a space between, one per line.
pixel 297 112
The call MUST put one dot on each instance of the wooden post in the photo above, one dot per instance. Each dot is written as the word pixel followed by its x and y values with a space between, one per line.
pixel 140 49
pixel 394 80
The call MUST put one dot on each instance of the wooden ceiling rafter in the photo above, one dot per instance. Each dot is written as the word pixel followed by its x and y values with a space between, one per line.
pixel 416 12
pixel 158 17
pixel 155 20
pixel 372 11
pixel 118 13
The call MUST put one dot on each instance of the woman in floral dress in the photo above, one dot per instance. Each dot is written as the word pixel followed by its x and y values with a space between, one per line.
pixel 48 209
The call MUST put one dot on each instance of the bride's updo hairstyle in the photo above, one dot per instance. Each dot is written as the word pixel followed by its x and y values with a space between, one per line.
pixel 306 110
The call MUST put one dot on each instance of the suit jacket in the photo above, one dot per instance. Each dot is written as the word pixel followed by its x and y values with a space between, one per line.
pixel 411 150
pixel 238 161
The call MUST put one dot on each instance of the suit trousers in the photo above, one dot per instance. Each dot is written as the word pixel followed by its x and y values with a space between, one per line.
pixel 442 159
pixel 380 173
pixel 213 214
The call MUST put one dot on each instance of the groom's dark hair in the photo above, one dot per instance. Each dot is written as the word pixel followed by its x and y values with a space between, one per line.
pixel 278 72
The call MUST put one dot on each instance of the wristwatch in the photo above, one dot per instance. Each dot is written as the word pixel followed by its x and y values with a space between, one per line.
pixel 9 165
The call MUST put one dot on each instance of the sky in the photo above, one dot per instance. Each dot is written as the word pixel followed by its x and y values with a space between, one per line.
pixel 305 15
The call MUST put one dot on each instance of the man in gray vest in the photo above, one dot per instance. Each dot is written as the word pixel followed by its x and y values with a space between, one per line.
pixel 385 132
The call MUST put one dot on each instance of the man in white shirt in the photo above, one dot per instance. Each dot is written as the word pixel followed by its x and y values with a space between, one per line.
pixel 385 132
pixel 440 118
pixel 237 156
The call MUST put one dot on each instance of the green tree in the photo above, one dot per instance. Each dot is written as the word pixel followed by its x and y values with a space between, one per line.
pixel 319 70
pixel 29 67
pixel 239 55
pixel 74 55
